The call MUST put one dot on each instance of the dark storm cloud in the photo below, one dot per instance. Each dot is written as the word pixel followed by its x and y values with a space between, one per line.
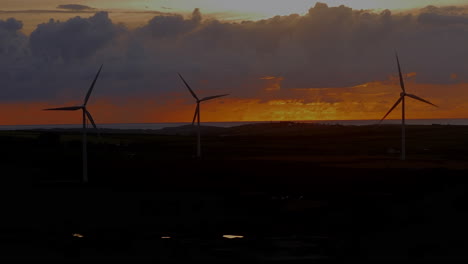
pixel 169 26
pixel 442 20
pixel 75 39
pixel 75 7
pixel 327 47
pixel 13 43
pixel 11 25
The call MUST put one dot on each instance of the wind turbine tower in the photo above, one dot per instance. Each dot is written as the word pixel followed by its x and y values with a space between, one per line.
pixel 86 115
pixel 197 112
pixel 401 100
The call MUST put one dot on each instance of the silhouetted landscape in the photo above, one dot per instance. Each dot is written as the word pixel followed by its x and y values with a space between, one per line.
pixel 295 193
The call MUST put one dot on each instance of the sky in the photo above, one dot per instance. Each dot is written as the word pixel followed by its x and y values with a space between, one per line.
pixel 136 13
pixel 278 60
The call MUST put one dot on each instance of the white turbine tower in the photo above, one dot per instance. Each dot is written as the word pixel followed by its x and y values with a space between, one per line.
pixel 197 112
pixel 85 114
pixel 401 100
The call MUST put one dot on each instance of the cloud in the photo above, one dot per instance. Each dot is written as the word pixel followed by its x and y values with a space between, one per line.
pixel 75 7
pixel 75 39
pixel 169 26
pixel 326 47
pixel 442 19
pixel 51 11
pixel 13 43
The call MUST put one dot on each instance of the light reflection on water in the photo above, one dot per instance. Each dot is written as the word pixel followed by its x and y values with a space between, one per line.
pixel 232 236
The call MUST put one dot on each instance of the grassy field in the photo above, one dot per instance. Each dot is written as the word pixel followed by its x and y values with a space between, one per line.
pixel 296 192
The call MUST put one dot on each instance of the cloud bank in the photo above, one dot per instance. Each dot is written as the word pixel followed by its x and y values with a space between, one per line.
pixel 75 7
pixel 327 47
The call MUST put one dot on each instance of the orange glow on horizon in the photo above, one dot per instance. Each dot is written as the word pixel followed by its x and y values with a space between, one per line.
pixel 363 102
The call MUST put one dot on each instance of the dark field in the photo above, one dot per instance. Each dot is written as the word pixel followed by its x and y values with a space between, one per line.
pixel 297 193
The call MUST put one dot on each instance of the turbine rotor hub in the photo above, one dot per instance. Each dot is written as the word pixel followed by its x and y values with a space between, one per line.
pixel 402 94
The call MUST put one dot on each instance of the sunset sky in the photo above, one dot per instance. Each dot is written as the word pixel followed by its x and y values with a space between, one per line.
pixel 279 60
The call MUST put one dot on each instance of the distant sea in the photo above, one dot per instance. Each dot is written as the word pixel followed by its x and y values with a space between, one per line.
pixel 156 126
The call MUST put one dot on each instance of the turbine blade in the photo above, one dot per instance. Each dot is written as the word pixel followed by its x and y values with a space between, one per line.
pixel 92 121
pixel 402 83
pixel 420 99
pixel 391 109
pixel 188 86
pixel 92 86
pixel 213 97
pixel 68 108
pixel 196 114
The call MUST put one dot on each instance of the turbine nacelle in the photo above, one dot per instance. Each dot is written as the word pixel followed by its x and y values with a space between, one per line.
pixel 403 93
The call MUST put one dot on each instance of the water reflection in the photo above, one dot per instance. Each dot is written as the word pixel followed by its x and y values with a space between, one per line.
pixel 232 236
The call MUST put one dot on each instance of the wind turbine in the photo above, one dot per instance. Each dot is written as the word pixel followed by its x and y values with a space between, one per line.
pixel 85 114
pixel 197 112
pixel 401 100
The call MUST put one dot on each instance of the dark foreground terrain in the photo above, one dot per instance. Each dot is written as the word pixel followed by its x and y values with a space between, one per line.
pixel 294 193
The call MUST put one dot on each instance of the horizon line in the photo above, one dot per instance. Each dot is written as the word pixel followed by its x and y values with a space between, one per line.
pixel 250 121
